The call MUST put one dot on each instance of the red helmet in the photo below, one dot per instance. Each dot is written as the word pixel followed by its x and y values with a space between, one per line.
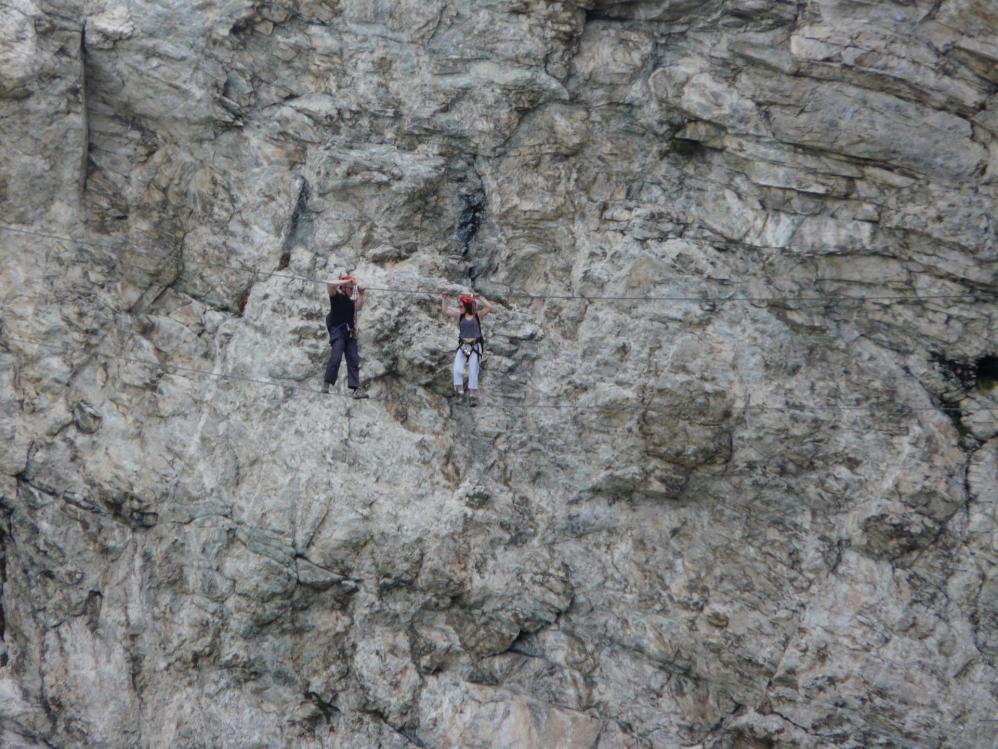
pixel 347 277
pixel 467 299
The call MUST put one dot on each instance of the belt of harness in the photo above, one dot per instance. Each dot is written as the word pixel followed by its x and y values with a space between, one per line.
pixel 477 346
pixel 337 329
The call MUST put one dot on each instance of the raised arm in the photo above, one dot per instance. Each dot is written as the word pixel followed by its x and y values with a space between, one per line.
pixel 446 310
pixel 333 284
pixel 360 299
pixel 484 305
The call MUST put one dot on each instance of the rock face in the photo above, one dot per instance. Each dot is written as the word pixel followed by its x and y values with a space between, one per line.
pixel 750 502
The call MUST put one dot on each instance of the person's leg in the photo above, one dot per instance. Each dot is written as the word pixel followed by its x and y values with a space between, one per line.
pixel 353 363
pixel 473 379
pixel 333 365
pixel 459 360
pixel 353 367
pixel 473 372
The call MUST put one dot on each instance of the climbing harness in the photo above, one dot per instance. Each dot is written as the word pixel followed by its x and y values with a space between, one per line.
pixel 466 347
pixel 335 330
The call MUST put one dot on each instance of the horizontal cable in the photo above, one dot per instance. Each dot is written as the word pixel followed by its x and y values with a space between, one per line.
pixel 506 403
pixel 895 298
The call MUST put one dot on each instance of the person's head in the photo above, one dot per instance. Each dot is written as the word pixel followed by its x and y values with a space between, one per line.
pixel 347 288
pixel 467 304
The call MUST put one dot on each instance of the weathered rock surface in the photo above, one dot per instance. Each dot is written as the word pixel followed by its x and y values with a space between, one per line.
pixel 680 521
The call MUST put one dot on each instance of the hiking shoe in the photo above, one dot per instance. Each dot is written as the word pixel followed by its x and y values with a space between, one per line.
pixel 359 394
pixel 325 388
pixel 472 400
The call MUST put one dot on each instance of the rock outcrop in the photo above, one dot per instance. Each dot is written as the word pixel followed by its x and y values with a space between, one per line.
pixel 733 480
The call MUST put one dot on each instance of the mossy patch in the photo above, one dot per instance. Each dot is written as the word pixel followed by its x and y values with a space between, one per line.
pixel 986 371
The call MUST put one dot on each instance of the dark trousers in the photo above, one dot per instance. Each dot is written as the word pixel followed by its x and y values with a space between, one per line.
pixel 340 343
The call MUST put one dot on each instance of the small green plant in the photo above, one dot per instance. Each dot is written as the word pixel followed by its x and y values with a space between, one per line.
pixel 987 373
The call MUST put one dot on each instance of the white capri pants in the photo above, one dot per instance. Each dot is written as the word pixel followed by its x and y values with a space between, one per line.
pixel 471 361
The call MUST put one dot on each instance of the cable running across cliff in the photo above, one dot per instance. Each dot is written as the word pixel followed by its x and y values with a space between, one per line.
pixel 341 321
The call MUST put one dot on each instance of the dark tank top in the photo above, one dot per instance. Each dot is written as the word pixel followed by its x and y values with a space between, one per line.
pixel 470 329
pixel 341 311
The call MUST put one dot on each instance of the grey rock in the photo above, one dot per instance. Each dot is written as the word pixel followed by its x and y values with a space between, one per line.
pixel 86 418
pixel 748 500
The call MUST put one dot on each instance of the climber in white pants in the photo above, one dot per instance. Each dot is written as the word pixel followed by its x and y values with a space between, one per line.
pixel 466 360
pixel 470 344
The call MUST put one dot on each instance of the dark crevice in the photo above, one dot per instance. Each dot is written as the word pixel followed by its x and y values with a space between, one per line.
pixel 963 376
pixel 961 372
pixel 402 732
pixel 126 509
pixel 613 11
pixel 411 738
pixel 33 738
pixel 689 148
pixel 7 534
pixel 87 145
pixel 789 720
pixel 243 25
pixel 294 223
pixel 3 587
pixel 472 210
pixel 242 301
pixel 986 372
pixel 328 709
pixel 720 723
pixel 525 644
pixel 601 15
pixel 92 609
pixel 650 11
pixel 470 220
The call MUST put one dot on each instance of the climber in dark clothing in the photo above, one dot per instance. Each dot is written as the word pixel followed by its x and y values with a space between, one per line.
pixel 341 322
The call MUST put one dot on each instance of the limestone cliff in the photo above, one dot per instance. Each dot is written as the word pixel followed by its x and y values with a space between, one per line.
pixel 733 481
